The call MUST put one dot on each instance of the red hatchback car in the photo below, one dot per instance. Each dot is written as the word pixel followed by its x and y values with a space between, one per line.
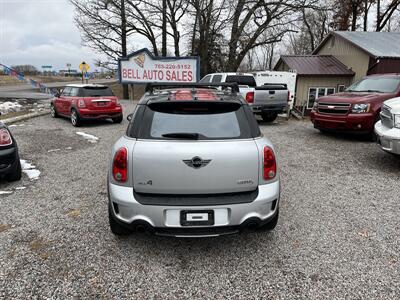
pixel 81 102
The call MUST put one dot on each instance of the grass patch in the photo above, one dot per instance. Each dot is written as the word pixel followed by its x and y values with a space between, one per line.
pixel 4 227
pixel 75 213
pixel 14 114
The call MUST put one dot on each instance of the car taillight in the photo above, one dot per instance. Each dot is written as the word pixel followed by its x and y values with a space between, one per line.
pixel 288 96
pixel 250 97
pixel 120 165
pixel 81 103
pixel 269 163
pixel 5 138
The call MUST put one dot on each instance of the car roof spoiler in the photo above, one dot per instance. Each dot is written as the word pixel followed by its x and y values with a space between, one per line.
pixel 150 87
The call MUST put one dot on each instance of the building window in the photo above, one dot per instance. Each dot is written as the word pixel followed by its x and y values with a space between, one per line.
pixel 315 93
pixel 341 88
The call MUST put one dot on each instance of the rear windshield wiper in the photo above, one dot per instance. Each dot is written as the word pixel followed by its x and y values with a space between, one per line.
pixel 182 135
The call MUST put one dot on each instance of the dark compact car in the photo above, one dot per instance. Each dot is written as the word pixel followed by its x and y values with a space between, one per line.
pixel 357 109
pixel 10 165
pixel 81 102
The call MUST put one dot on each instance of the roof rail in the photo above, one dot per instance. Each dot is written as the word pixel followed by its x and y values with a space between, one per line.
pixel 150 87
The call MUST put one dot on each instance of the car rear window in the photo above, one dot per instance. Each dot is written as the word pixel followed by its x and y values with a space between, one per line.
pixel 242 80
pixel 195 120
pixel 96 91
pixel 376 84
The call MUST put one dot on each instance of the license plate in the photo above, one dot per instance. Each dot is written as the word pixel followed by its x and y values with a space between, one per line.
pixel 197 217
pixel 101 103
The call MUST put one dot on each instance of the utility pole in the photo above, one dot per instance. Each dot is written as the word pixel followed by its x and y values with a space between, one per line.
pixel 164 28
pixel 125 89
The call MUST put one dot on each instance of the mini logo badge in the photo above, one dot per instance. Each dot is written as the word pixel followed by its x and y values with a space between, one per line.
pixel 196 162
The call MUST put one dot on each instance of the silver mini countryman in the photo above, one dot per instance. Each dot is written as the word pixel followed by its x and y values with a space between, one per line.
pixel 193 163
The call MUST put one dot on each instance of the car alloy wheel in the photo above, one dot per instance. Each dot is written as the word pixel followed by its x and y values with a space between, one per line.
pixel 74 118
pixel 53 111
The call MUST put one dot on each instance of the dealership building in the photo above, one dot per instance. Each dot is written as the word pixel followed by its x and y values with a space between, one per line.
pixel 342 58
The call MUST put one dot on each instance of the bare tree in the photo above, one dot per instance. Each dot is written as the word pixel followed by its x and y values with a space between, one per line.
pixel 207 38
pixel 250 19
pixel 384 13
pixel 25 69
pixel 171 13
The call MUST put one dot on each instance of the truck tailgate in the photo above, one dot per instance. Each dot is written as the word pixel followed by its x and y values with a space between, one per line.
pixel 270 97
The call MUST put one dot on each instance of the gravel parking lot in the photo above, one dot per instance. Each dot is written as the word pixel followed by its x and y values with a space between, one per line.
pixel 338 236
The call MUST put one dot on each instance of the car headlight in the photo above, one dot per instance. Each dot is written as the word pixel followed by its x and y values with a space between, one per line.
pixel 360 108
pixel 315 106
pixel 397 121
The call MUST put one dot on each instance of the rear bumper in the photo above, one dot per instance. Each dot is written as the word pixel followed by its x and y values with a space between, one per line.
pixel 258 108
pixel 8 159
pixel 89 114
pixel 165 220
pixel 357 123
pixel 388 138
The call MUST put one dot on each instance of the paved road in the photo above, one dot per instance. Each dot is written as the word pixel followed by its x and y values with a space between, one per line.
pixel 28 92
pixel 338 236
pixel 24 87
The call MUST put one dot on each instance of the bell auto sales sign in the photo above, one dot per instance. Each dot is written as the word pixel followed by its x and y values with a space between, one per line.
pixel 143 67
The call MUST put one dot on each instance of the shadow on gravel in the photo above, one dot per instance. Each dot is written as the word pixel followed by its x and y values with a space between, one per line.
pixel 346 137
pixel 89 123
pixel 171 246
pixel 383 161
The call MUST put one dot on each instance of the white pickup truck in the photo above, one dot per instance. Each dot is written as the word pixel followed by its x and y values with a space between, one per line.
pixel 266 100
pixel 388 128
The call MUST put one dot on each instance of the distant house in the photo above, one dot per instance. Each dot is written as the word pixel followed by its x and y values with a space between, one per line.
pixel 317 76
pixel 342 58
pixel 364 52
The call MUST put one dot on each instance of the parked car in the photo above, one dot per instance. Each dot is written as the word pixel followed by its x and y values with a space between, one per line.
pixel 10 165
pixel 193 162
pixel 265 100
pixel 357 109
pixel 388 129
pixel 81 102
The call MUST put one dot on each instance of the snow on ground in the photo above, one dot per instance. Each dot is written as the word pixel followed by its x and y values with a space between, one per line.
pixel 30 170
pixel 90 138
pixel 6 192
pixel 6 107
pixel 16 125
pixel 53 150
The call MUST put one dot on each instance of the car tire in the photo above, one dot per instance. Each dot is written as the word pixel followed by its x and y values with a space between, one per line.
pixel 75 118
pixel 118 119
pixel 16 174
pixel 53 111
pixel 115 227
pixel 269 117
pixel 272 223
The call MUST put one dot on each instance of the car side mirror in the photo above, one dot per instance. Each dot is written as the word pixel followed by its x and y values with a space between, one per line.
pixel 129 117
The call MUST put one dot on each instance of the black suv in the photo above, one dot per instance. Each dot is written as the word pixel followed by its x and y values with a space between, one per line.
pixel 10 165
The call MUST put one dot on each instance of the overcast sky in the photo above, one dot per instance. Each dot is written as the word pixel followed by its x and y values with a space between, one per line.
pixel 41 32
